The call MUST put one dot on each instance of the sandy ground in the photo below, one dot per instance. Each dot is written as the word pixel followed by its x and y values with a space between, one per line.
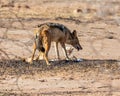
pixel 98 74
pixel 62 78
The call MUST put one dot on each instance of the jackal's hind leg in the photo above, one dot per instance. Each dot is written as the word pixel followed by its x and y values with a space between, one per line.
pixel 46 44
pixel 45 54
pixel 34 49
pixel 46 58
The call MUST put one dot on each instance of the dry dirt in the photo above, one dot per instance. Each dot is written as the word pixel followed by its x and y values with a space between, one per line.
pixel 98 25
pixel 63 78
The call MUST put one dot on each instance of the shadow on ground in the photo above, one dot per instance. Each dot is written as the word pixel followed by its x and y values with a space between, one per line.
pixel 15 67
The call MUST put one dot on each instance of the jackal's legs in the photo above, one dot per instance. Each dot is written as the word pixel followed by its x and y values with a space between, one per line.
pixel 47 44
pixel 64 49
pixel 46 58
pixel 34 49
pixel 56 50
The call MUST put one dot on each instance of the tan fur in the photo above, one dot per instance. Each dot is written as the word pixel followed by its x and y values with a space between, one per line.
pixel 46 34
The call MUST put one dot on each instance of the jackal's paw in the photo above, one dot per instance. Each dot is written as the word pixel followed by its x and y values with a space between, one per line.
pixel 49 64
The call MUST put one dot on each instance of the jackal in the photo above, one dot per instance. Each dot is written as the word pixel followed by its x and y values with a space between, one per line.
pixel 54 32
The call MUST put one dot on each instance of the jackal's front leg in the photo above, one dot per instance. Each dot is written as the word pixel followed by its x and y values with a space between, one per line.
pixel 65 51
pixel 33 54
pixel 57 51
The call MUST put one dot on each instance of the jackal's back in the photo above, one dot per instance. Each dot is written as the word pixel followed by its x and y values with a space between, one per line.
pixel 55 25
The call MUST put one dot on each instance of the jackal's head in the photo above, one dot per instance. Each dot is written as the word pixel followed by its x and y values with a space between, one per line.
pixel 73 40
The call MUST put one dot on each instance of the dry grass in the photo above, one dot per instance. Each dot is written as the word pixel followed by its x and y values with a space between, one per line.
pixel 96 70
pixel 46 9
pixel 20 14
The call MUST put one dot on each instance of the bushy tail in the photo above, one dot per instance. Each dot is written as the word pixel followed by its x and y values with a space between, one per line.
pixel 39 43
pixel 38 38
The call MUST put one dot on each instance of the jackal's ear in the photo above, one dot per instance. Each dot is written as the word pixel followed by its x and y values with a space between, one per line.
pixel 74 33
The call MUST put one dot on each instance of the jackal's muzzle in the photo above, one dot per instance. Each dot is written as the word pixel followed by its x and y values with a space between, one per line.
pixel 79 47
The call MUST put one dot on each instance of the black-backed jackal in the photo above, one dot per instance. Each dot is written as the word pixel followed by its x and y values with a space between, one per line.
pixel 54 32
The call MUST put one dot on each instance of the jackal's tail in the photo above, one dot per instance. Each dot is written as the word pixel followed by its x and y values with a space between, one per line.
pixel 39 43
pixel 38 38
